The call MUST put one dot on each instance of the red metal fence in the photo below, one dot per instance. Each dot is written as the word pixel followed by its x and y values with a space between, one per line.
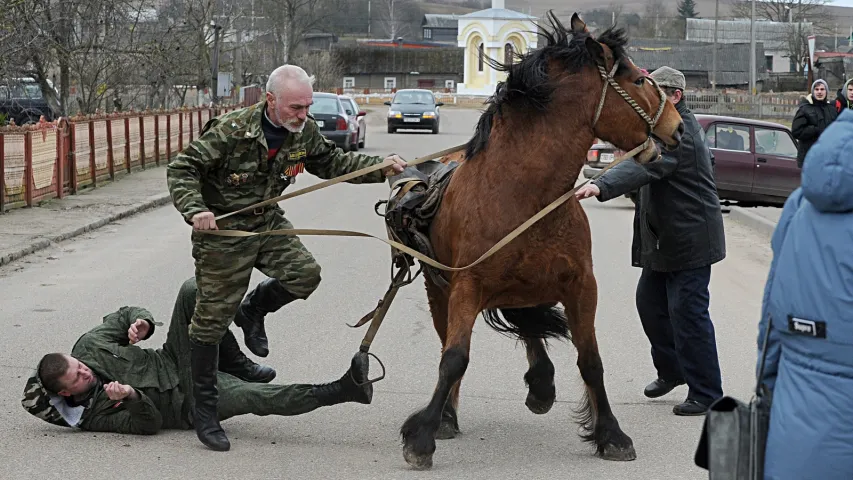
pixel 54 159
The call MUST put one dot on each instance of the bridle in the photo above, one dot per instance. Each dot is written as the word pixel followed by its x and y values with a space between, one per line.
pixel 609 80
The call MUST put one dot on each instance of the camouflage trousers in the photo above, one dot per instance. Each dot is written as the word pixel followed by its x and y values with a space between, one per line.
pixel 223 268
pixel 236 397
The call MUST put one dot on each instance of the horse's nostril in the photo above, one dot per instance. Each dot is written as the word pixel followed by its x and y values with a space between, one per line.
pixel 680 129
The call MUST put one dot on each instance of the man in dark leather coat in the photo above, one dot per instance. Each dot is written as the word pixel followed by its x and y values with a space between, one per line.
pixel 678 235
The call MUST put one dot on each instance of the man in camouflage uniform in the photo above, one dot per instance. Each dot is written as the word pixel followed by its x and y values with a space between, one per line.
pixel 240 159
pixel 109 384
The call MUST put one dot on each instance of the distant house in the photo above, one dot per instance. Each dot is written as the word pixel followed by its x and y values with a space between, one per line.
pixel 774 35
pixel 440 28
pixel 318 41
pixel 399 65
pixel 695 60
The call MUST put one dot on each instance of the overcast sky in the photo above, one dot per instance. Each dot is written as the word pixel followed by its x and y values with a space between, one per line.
pixel 842 3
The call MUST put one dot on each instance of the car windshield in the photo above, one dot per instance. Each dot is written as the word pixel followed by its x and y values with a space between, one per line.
pixel 421 98
pixel 324 105
pixel 21 90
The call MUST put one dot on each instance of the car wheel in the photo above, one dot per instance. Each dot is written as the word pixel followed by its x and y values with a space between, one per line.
pixel 435 130
pixel 391 129
pixel 363 141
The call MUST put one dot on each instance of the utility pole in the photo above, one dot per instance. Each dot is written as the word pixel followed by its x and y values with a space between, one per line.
pixel 214 97
pixel 714 56
pixel 752 66
pixel 368 19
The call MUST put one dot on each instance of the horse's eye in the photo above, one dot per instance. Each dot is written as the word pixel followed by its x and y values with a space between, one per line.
pixel 639 82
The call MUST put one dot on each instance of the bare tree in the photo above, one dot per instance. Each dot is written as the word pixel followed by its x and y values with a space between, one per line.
pixel 658 21
pixel 289 20
pixel 326 71
pixel 795 12
pixel 391 15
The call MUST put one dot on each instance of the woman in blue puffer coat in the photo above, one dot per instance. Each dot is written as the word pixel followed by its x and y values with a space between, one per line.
pixel 808 300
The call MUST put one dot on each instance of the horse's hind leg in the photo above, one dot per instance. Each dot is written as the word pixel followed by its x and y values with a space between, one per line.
pixel 438 308
pixel 420 429
pixel 595 414
pixel 539 377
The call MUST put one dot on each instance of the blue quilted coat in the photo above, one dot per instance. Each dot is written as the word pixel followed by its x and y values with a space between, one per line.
pixel 808 300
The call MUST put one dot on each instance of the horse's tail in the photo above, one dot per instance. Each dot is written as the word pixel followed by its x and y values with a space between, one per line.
pixel 543 321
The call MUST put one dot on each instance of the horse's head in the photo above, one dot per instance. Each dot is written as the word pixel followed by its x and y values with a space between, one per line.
pixel 639 110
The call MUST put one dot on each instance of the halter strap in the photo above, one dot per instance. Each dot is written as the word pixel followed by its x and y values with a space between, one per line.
pixel 611 81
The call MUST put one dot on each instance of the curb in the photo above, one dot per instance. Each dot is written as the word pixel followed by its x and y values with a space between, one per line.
pixel 753 220
pixel 45 242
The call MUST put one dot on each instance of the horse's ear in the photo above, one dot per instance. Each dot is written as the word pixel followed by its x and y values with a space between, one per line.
pixel 596 50
pixel 578 25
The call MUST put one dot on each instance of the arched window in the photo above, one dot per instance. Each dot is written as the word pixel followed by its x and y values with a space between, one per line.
pixel 481 55
pixel 508 49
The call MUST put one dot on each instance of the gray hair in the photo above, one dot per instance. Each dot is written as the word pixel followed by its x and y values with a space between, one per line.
pixel 287 73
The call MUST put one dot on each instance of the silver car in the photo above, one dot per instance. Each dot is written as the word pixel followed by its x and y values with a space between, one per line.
pixel 356 116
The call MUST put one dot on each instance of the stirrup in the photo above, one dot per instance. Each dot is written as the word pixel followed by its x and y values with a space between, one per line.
pixel 370 381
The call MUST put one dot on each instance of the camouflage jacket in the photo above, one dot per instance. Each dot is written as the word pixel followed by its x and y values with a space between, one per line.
pixel 106 350
pixel 226 168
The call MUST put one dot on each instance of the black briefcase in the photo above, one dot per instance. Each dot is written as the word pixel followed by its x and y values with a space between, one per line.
pixel 734 435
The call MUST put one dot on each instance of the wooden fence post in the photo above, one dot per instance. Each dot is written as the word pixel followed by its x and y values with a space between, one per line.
pixel 142 141
pixel 110 159
pixel 157 140
pixel 92 168
pixel 28 169
pixel 127 144
pixel 2 174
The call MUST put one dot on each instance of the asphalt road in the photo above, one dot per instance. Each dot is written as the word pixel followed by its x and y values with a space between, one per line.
pixel 52 297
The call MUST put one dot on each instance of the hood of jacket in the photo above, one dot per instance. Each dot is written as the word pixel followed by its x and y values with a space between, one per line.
pixel 53 409
pixel 841 95
pixel 827 178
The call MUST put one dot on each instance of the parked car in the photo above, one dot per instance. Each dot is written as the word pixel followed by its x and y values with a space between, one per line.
pixel 755 161
pixel 599 156
pixel 21 100
pixel 414 109
pixel 356 116
pixel 334 123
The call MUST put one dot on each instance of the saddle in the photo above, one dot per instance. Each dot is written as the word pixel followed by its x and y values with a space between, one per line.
pixel 415 198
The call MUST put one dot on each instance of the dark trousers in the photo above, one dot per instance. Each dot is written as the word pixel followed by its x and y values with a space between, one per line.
pixel 673 307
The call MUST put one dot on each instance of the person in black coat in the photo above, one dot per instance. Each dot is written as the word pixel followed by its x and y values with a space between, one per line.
pixel 814 114
pixel 678 235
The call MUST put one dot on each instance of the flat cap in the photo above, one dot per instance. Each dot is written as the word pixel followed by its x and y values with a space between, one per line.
pixel 669 77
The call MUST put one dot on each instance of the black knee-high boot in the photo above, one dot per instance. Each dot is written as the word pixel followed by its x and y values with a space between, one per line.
pixel 232 360
pixel 204 362
pixel 266 298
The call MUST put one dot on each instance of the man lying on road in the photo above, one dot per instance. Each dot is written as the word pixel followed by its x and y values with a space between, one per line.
pixel 109 384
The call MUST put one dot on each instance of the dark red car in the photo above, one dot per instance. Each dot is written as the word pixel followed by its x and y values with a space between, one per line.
pixel 755 161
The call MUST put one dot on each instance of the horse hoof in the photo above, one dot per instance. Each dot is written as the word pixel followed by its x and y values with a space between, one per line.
pixel 537 406
pixel 446 431
pixel 619 454
pixel 417 461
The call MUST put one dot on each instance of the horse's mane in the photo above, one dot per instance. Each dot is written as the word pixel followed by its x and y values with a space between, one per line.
pixel 527 84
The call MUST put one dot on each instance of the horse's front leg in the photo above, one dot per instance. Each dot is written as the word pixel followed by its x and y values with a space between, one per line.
pixel 419 430
pixel 595 415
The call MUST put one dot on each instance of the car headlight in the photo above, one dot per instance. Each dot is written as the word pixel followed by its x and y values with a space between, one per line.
pixel 429 114
pixel 395 114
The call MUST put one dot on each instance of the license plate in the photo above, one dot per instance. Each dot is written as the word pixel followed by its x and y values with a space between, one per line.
pixel 412 120
pixel 321 123
pixel 606 158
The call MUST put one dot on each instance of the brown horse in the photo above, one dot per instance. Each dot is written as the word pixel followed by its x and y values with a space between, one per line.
pixel 543 118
